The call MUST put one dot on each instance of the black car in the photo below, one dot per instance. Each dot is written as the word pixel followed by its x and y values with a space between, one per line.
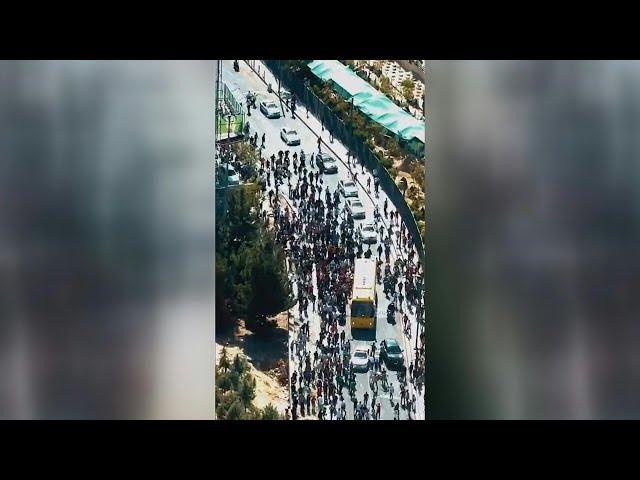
pixel 326 163
pixel 391 353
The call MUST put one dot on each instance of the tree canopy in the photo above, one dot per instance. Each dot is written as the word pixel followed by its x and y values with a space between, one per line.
pixel 247 258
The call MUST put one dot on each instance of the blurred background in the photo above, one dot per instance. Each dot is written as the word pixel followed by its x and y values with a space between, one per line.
pixel 106 239
pixel 533 181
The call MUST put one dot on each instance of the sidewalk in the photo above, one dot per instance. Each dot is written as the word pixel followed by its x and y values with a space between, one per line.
pixel 339 151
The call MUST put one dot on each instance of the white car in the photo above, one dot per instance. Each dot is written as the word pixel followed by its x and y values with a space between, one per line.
pixel 360 359
pixel 233 179
pixel 355 208
pixel 348 188
pixel 289 136
pixel 368 233
pixel 270 109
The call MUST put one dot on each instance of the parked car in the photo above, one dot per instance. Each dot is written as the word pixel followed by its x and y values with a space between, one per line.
pixel 326 163
pixel 270 109
pixel 360 359
pixel 369 233
pixel 348 188
pixel 233 179
pixel 289 136
pixel 391 353
pixel 355 208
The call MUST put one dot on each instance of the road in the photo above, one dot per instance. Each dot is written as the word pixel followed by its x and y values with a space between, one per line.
pixel 308 129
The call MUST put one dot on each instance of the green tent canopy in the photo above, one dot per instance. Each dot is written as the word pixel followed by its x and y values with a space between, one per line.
pixel 369 101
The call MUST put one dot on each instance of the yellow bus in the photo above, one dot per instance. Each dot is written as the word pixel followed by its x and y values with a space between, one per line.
pixel 364 299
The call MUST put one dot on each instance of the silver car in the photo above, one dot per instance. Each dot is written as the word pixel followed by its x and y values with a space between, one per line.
pixel 360 359
pixel 326 163
pixel 348 188
pixel 368 233
pixel 289 136
pixel 270 109
pixel 355 208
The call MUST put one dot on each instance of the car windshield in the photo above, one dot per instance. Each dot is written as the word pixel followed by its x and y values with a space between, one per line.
pixel 356 204
pixel 360 354
pixel 393 348
pixel 349 184
pixel 368 228
pixel 271 105
pixel 292 132
pixel 328 160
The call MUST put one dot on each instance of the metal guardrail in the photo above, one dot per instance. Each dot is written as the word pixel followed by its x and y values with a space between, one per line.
pixel 343 133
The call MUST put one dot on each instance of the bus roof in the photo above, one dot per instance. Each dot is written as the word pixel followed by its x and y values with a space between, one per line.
pixel 364 278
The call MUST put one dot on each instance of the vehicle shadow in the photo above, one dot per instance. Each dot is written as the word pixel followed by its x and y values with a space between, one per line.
pixel 362 334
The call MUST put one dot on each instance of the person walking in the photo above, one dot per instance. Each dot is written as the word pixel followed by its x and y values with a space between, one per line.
pixel 319 142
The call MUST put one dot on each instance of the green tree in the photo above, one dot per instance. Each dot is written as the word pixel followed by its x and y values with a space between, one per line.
pixel 265 266
pixel 236 411
pixel 393 147
pixel 224 360
pixel 246 154
pixel 385 86
pixel 239 365
pixel 247 390
pixel 223 313
pixel 408 89
pixel 270 413
pixel 377 67
pixel 223 380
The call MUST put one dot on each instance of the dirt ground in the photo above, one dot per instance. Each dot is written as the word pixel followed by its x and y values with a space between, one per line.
pixel 268 389
pixel 410 181
pixel 268 360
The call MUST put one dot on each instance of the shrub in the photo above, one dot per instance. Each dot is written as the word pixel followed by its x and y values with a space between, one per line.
pixel 270 413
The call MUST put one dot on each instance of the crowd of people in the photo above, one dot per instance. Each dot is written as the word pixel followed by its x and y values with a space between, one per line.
pixel 322 241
